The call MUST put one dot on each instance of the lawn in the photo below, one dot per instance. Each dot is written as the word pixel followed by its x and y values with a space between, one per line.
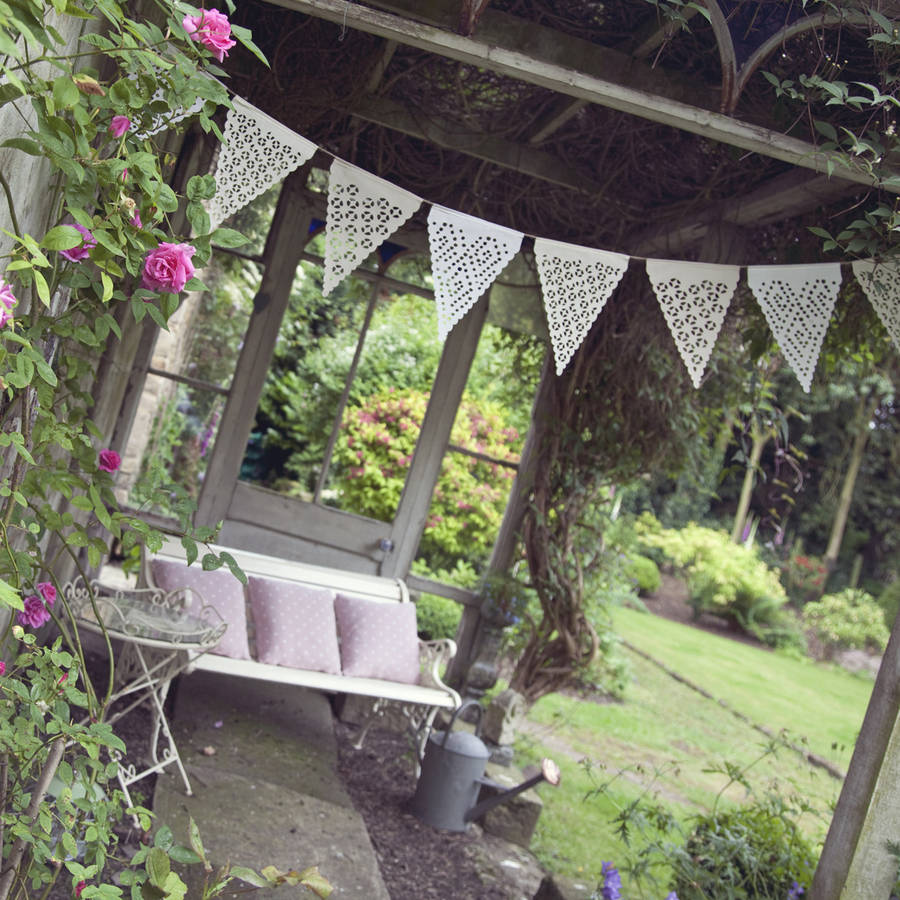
pixel 667 740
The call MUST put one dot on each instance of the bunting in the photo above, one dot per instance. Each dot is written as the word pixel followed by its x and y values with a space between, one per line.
pixel 467 254
pixel 576 283
pixel 694 298
pixel 258 152
pixel 881 284
pixel 363 212
pixel 797 302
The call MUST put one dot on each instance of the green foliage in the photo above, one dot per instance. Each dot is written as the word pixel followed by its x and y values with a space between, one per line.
pixel 643 572
pixel 728 580
pixel 850 619
pixel 374 452
pixel 754 852
pixel 437 617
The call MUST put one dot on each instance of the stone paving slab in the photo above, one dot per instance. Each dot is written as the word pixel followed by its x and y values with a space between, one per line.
pixel 269 794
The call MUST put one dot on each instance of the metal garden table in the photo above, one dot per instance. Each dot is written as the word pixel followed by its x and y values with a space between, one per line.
pixel 161 633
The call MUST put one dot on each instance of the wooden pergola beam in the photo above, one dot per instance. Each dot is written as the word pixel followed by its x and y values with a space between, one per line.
pixel 508 154
pixel 532 68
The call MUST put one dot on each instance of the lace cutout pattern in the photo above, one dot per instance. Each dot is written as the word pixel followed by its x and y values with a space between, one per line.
pixel 258 151
pixel 881 283
pixel 363 211
pixel 576 283
pixel 797 302
pixel 694 298
pixel 467 254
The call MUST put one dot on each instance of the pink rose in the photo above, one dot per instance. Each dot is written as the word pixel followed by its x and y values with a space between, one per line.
pixel 2 667
pixel 168 268
pixel 34 614
pixel 108 461
pixel 77 254
pixel 119 125
pixel 212 29
pixel 136 220
pixel 7 302
pixel 47 592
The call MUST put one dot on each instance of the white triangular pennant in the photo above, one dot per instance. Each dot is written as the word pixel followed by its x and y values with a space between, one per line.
pixel 881 283
pixel 467 254
pixel 576 283
pixel 363 212
pixel 694 298
pixel 258 151
pixel 797 302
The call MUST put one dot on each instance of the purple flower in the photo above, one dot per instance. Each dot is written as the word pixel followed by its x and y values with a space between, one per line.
pixel 119 125
pixel 34 614
pixel 7 302
pixel 108 461
pixel 2 667
pixel 796 891
pixel 672 896
pixel 77 254
pixel 47 592
pixel 612 882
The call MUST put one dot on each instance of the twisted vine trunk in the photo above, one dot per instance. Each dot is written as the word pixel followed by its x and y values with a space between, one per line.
pixel 619 409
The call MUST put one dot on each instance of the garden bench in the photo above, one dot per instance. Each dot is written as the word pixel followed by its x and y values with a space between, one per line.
pixel 315 627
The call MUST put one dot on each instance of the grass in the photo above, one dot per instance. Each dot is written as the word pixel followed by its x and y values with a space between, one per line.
pixel 668 741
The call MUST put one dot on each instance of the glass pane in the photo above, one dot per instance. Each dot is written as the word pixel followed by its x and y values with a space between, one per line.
pixel 207 332
pixel 171 442
pixel 471 494
pixel 387 397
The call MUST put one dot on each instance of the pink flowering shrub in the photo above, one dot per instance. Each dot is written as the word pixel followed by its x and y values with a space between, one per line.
pixel 212 29
pixel 375 450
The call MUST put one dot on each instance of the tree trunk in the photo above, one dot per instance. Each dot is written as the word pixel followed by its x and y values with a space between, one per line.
pixel 740 517
pixel 864 414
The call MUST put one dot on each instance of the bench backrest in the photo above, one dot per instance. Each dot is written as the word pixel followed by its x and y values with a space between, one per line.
pixel 356 584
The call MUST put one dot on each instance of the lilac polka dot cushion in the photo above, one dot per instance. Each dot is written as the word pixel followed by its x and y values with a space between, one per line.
pixel 219 589
pixel 378 640
pixel 295 625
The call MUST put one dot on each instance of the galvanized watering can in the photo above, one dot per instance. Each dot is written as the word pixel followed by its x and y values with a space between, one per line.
pixel 453 773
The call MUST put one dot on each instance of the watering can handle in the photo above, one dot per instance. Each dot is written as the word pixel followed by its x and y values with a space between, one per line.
pixel 465 705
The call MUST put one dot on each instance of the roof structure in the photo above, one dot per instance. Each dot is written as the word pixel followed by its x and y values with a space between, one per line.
pixel 603 124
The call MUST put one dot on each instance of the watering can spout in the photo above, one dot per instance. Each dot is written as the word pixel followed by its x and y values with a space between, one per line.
pixel 549 773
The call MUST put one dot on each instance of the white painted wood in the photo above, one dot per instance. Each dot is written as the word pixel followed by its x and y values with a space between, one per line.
pixel 368 587
pixel 556 77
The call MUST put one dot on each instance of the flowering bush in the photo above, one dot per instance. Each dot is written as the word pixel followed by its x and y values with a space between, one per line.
pixel 375 451
pixel 804 577
pixel 850 619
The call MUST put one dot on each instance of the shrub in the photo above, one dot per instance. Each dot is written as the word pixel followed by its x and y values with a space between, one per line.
pixel 375 450
pixel 849 620
pixel 437 617
pixel 754 852
pixel 804 577
pixel 728 580
pixel 644 572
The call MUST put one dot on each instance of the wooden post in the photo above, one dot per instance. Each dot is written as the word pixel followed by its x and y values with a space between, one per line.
pixel 855 862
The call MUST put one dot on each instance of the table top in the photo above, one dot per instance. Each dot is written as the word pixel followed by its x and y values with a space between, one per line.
pixel 146 616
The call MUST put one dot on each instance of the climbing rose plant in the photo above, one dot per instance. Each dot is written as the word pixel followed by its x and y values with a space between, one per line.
pixel 83 112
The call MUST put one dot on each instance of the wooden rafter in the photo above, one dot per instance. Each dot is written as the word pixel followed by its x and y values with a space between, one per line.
pixel 538 69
